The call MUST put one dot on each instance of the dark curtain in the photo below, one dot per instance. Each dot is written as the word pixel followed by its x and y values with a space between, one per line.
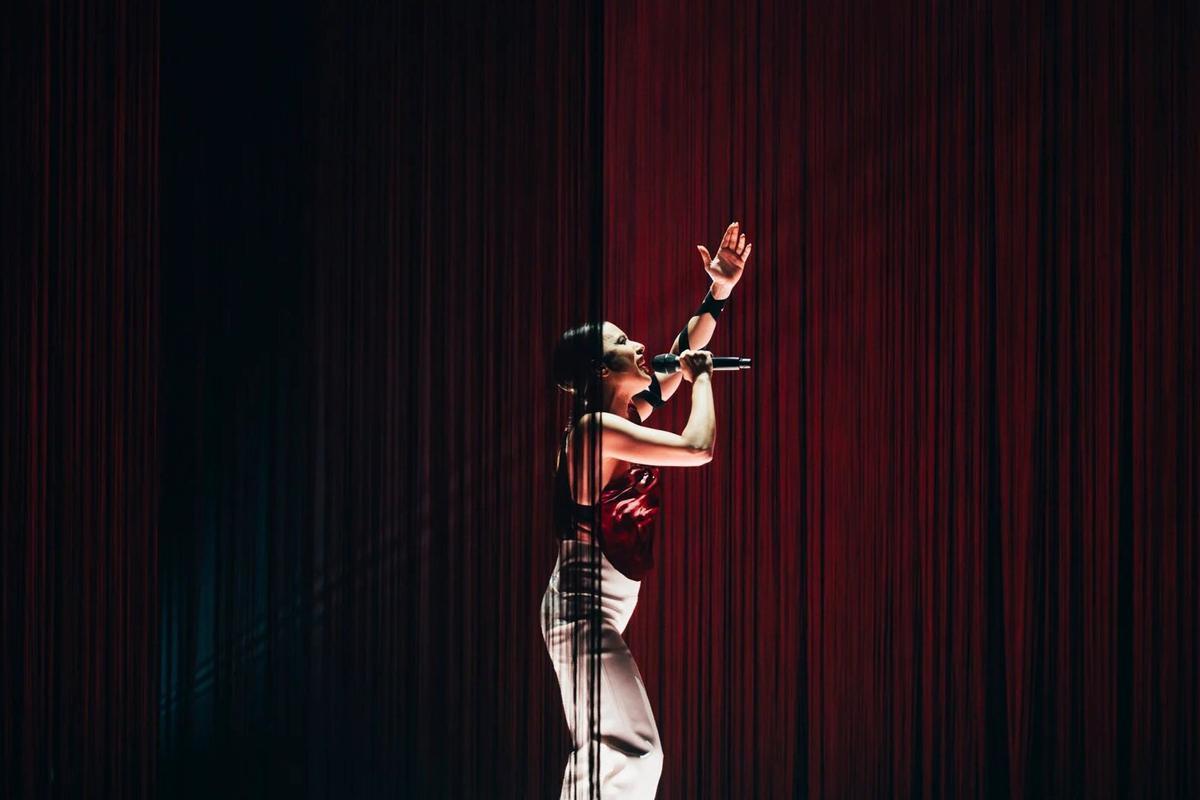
pixel 377 220
pixel 277 490
pixel 79 315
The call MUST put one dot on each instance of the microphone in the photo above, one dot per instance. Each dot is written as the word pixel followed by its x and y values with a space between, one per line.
pixel 669 363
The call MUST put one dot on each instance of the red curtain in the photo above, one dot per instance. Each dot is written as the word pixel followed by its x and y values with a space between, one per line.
pixel 948 544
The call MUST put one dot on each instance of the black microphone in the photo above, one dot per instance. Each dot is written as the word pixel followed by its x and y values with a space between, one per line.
pixel 670 363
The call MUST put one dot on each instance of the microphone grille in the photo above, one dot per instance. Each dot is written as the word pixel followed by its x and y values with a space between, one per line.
pixel 665 363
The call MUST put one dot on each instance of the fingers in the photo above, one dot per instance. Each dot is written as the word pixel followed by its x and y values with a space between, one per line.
pixel 746 254
pixel 704 254
pixel 731 234
pixel 734 244
pixel 695 362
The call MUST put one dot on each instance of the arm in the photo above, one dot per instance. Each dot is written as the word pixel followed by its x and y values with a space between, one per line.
pixel 725 271
pixel 628 441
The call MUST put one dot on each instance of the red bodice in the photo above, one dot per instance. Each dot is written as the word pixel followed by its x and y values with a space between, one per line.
pixel 628 506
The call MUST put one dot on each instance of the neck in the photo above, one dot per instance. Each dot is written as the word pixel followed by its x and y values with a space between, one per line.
pixel 616 401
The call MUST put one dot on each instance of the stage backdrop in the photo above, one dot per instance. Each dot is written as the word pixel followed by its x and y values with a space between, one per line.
pixel 947 546
pixel 376 221
pixel 276 491
pixel 79 406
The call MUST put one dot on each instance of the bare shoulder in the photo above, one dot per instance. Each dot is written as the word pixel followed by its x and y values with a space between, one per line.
pixel 593 427
pixel 606 423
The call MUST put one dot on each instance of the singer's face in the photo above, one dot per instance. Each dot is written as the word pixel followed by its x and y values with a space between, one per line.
pixel 625 358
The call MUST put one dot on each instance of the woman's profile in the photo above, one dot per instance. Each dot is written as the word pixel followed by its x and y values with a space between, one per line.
pixel 606 500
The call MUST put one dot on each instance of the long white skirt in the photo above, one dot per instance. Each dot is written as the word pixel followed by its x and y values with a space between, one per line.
pixel 584 612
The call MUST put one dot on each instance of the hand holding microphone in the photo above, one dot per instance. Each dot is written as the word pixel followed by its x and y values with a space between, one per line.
pixel 668 363
pixel 690 362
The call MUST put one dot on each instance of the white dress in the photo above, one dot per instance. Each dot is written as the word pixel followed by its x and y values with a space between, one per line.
pixel 585 610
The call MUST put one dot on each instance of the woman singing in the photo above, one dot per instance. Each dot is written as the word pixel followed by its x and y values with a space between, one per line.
pixel 606 497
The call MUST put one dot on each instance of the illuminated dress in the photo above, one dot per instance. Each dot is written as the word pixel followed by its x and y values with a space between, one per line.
pixel 591 596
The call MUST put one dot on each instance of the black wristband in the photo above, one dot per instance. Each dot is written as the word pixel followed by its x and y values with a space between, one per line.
pixel 682 339
pixel 711 305
pixel 653 394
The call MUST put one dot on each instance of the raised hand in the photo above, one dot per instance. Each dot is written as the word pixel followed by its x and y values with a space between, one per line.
pixel 726 269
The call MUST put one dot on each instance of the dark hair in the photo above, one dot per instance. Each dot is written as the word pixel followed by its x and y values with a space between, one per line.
pixel 578 355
